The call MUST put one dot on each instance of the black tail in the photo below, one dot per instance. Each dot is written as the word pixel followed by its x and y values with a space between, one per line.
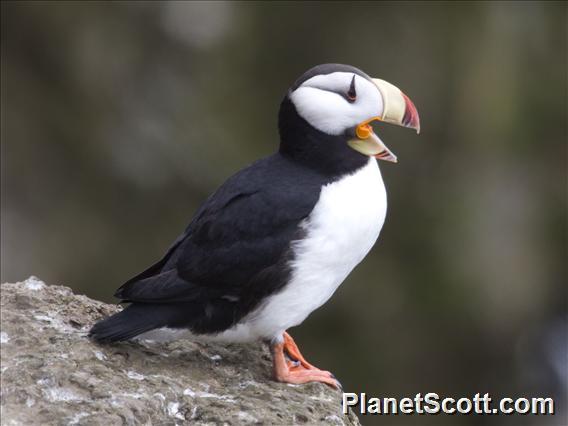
pixel 134 320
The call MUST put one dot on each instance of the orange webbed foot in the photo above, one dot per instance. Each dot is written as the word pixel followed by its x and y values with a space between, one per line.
pixel 291 367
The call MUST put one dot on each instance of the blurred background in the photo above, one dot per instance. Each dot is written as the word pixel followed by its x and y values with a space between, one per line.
pixel 118 119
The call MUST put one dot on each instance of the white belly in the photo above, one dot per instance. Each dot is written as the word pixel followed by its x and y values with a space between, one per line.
pixel 342 228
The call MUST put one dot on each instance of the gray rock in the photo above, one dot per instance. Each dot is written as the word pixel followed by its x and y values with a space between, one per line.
pixel 53 375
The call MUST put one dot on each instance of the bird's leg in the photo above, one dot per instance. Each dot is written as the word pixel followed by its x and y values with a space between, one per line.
pixel 294 353
pixel 291 367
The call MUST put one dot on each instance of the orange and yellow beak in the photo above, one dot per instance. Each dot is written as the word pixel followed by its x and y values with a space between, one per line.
pixel 397 109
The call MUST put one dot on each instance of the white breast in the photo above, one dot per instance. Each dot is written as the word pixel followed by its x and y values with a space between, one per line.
pixel 342 228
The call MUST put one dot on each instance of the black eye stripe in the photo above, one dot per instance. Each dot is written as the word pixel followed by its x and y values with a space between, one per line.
pixel 350 96
pixel 352 93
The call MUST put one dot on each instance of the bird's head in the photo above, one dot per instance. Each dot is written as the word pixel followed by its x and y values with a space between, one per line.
pixel 334 104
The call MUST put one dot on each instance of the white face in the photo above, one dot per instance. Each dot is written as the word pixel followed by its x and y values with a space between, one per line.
pixel 323 102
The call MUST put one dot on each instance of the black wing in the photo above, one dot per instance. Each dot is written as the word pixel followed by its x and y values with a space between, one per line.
pixel 236 247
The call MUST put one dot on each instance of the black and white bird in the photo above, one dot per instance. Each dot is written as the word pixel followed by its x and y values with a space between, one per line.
pixel 276 240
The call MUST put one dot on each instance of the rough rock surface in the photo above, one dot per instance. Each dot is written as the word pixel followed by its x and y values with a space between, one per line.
pixel 52 374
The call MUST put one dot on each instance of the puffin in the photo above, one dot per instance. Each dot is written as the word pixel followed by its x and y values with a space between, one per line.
pixel 274 242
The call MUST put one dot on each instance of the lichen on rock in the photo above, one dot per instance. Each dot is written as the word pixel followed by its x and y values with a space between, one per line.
pixel 53 374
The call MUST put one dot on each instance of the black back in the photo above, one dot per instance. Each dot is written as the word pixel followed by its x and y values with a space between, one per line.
pixel 236 250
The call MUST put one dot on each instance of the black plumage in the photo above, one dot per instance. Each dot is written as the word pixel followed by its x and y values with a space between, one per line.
pixel 236 250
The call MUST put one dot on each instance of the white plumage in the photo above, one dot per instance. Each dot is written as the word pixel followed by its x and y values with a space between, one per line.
pixel 342 228
pixel 318 101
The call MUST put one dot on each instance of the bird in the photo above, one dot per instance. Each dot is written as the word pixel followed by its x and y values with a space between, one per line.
pixel 276 239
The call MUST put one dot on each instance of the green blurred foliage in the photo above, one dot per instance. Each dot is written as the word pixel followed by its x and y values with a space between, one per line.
pixel 119 118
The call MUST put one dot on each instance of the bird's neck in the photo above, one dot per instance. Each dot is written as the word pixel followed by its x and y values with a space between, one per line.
pixel 327 154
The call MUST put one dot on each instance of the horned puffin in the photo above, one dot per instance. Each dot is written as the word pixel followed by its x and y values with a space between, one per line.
pixel 274 242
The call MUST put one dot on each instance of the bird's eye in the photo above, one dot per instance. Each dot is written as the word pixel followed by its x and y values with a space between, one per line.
pixel 352 93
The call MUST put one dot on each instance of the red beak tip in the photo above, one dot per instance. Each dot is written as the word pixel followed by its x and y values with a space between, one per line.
pixel 411 118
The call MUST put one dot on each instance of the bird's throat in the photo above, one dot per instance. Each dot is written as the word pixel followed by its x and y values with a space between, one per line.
pixel 321 152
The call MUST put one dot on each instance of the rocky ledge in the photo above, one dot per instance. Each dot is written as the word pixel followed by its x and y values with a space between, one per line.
pixel 53 375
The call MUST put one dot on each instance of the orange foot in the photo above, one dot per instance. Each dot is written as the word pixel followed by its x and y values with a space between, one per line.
pixel 291 367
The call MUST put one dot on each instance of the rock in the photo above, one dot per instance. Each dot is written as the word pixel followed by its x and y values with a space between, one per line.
pixel 52 374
